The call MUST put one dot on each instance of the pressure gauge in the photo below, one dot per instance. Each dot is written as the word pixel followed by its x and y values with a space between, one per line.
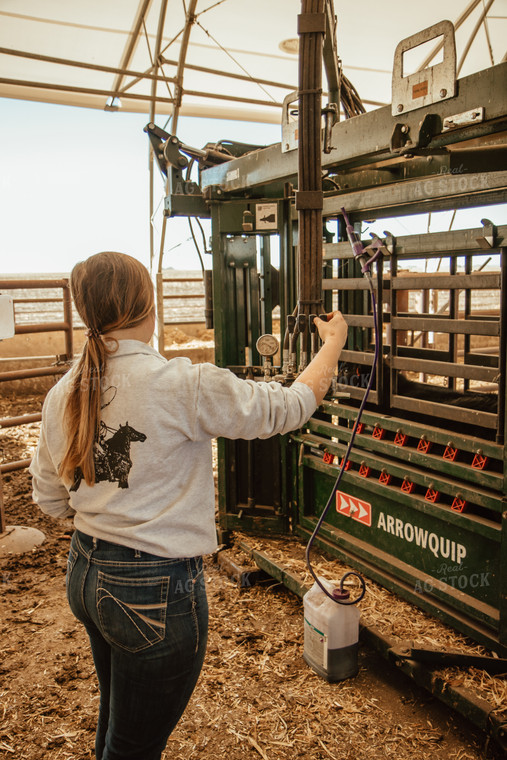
pixel 267 345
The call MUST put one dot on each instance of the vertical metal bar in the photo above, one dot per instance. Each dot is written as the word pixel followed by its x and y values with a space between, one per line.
pixel 160 312
pixel 327 272
pixel 156 56
pixel 151 175
pixel 358 299
pixel 221 317
pixel 502 585
pixel 453 314
pixel 309 163
pixel 247 310
pixel 502 359
pixel 250 497
pixel 468 312
pixel 67 318
pixel 131 45
pixel 254 303
pixel 501 437
pixel 178 90
pixel 330 57
pixel 379 380
pixel 393 385
pixel 288 266
pixel 266 297
pixel 208 299
pixel 238 353
pixel 218 282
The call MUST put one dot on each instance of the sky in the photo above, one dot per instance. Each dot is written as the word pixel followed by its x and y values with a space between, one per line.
pixel 74 181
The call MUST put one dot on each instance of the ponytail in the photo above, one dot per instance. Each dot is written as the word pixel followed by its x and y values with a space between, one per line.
pixel 111 291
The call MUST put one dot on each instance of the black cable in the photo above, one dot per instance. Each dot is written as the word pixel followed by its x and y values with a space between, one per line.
pixel 203 235
pixel 344 463
pixel 195 243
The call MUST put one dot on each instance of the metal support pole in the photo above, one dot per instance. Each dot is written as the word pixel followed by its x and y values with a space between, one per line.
pixel 459 21
pixel 502 358
pixel 311 28
pixel 178 90
pixel 478 25
pixel 67 318
pixel 160 312
pixel 161 21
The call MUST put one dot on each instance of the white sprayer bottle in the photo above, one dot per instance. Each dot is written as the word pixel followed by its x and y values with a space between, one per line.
pixel 331 633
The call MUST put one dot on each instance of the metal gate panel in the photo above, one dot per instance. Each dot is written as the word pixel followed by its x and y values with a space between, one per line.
pixel 421 507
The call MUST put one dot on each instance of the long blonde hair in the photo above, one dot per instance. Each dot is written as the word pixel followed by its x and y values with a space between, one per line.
pixel 111 291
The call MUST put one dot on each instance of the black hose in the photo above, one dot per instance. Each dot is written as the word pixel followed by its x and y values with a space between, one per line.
pixel 344 463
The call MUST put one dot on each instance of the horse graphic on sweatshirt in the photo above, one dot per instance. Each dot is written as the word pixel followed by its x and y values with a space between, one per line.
pixel 112 455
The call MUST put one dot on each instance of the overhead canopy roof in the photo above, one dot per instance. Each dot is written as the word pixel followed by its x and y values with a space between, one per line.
pixel 215 58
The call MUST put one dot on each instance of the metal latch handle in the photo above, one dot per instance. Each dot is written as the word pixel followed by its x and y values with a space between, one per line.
pixel 430 85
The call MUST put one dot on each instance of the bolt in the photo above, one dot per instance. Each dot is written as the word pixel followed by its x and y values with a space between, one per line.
pixel 287 146
pixel 443 93
pixel 404 129
pixel 400 108
pixel 174 140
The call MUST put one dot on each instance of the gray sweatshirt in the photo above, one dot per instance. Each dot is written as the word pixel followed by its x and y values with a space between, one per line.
pixel 154 487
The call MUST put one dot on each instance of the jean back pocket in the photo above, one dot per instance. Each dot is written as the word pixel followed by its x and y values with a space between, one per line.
pixel 132 611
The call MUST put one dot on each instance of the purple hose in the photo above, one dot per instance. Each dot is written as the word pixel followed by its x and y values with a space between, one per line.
pixel 353 434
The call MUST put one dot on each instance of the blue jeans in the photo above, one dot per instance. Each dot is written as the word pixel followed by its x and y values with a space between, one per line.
pixel 147 619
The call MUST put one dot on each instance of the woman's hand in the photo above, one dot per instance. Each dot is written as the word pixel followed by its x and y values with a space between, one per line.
pixel 319 373
pixel 335 329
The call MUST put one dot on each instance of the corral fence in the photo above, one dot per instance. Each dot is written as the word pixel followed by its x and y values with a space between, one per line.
pixel 44 305
pixel 59 367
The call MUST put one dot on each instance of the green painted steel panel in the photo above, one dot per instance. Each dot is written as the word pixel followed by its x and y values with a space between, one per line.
pixel 453 558
pixel 451 563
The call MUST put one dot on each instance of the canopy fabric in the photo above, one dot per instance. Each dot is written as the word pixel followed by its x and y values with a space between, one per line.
pixel 100 54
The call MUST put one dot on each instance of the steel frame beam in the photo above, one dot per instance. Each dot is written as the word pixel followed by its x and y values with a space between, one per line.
pixel 367 139
pixel 122 72
pixel 131 45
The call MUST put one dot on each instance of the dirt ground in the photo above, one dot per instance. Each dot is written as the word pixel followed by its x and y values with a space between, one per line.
pixel 256 697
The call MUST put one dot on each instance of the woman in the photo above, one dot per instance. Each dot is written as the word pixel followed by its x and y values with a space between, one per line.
pixel 125 447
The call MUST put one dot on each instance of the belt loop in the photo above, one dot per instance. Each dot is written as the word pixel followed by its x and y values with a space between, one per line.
pixel 95 542
pixel 137 554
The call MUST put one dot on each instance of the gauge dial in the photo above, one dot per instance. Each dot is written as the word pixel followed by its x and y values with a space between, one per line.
pixel 267 345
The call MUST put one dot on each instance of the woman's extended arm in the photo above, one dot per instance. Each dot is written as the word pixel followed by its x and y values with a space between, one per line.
pixel 320 371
